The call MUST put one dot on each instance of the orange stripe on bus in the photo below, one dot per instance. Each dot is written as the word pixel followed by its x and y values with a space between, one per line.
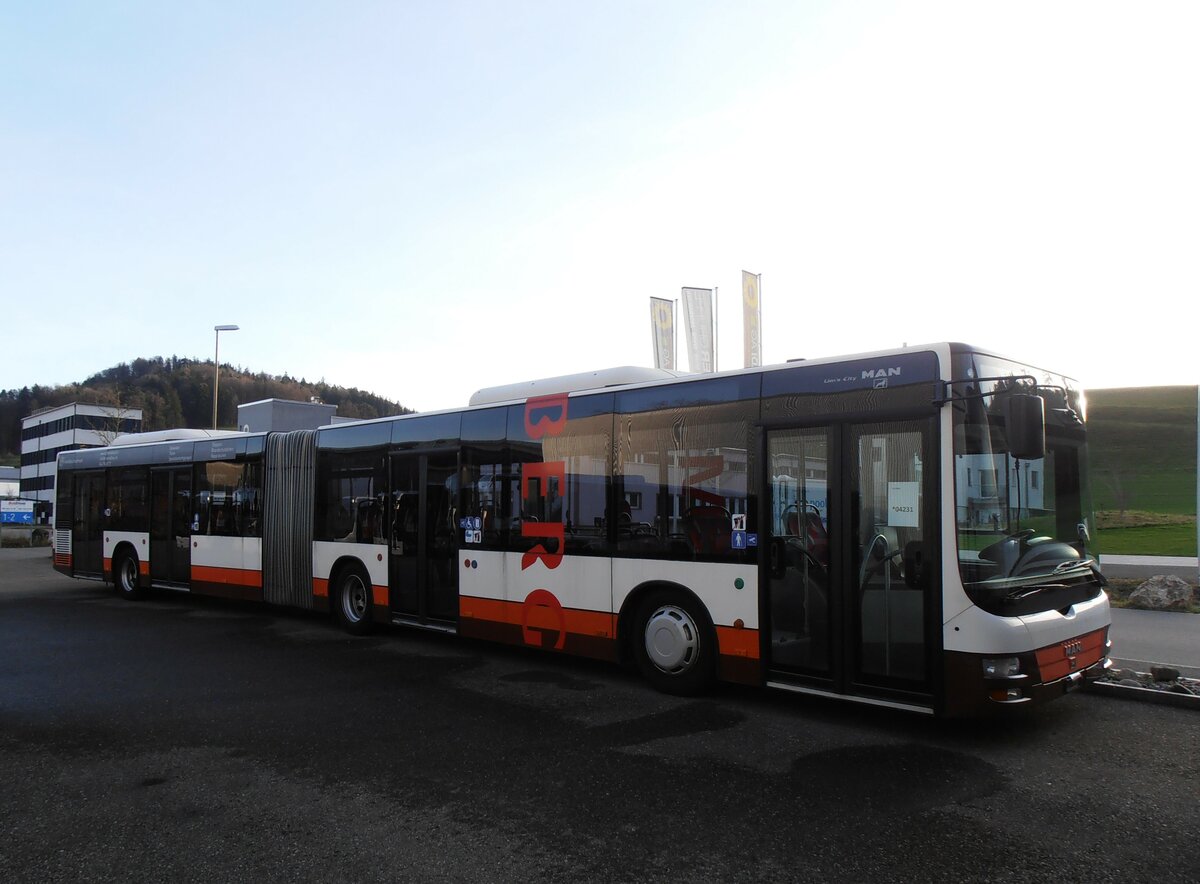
pixel 483 609
pixel 234 576
pixel 535 614
pixel 143 566
pixel 735 642
pixel 538 615
pixel 379 594
pixel 595 623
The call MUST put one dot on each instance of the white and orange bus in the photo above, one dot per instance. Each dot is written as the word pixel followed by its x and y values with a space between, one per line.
pixel 909 528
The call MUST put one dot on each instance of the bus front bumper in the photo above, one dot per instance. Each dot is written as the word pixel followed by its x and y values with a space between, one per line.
pixel 1044 675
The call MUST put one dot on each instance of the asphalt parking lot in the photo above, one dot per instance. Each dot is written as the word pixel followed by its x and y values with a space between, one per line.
pixel 189 739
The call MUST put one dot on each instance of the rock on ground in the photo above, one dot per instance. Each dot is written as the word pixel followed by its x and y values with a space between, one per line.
pixel 1163 593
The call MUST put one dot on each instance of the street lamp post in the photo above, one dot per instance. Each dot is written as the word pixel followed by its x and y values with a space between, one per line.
pixel 217 365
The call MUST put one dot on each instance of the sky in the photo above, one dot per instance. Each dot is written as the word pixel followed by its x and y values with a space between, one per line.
pixel 421 199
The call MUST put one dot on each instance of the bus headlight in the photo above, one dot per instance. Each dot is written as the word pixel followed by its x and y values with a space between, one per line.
pixel 1001 667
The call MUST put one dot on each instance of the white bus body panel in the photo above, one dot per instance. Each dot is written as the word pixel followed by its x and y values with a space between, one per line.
pixel 140 540
pixel 596 583
pixel 581 583
pixel 1050 627
pixel 227 553
pixel 975 631
pixel 481 574
pixel 373 556
pixel 714 583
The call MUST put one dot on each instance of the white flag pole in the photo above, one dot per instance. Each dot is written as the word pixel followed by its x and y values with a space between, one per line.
pixel 716 329
pixel 760 325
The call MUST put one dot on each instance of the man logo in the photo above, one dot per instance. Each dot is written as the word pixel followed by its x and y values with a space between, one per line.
pixel 880 376
pixel 880 373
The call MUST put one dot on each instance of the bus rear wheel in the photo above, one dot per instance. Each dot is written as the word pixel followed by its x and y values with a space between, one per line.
pixel 674 644
pixel 125 575
pixel 354 598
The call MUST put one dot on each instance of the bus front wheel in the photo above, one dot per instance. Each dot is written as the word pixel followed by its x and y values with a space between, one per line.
pixel 354 598
pixel 674 644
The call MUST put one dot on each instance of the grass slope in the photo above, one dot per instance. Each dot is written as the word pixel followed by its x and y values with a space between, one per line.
pixel 1142 442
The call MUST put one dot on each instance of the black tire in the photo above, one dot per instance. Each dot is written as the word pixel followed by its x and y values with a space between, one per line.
pixel 353 599
pixel 125 575
pixel 674 644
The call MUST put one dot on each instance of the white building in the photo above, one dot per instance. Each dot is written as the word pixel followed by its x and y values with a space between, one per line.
pixel 981 479
pixel 47 432
pixel 284 415
pixel 10 481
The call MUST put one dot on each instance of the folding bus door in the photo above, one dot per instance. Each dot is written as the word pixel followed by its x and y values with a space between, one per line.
pixel 87 530
pixel 849 528
pixel 423 547
pixel 171 514
pixel 800 543
pixel 887 473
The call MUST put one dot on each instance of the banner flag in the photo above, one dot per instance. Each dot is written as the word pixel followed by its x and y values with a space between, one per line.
pixel 752 318
pixel 698 326
pixel 662 326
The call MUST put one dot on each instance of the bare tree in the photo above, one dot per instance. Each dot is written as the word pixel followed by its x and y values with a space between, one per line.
pixel 113 422
pixel 1117 483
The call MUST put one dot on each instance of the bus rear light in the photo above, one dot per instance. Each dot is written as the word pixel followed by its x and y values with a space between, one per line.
pixel 1006 695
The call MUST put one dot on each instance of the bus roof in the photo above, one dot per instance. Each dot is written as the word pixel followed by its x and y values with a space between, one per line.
pixel 572 383
pixel 176 435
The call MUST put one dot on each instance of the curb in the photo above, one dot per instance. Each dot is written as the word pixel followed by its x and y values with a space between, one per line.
pixel 1144 695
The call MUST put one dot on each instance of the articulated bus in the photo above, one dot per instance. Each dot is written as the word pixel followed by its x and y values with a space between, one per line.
pixel 908 528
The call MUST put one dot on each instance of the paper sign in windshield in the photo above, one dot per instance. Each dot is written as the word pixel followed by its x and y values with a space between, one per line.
pixel 904 505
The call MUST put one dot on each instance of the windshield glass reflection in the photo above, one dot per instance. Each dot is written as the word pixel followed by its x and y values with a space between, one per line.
pixel 1024 525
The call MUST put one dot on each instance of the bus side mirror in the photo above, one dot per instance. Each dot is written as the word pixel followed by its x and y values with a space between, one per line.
pixel 1026 426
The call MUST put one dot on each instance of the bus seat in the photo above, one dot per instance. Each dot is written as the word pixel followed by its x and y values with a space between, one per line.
pixel 709 529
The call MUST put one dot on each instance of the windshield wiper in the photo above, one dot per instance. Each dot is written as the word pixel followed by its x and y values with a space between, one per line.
pixel 1026 592
pixel 1062 569
pixel 1070 565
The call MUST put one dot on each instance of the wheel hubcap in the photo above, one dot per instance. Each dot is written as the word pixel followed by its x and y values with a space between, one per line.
pixel 354 599
pixel 672 639
pixel 128 575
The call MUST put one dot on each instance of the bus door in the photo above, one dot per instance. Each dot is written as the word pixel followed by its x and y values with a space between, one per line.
pixel 87 529
pixel 423 544
pixel 849 594
pixel 171 513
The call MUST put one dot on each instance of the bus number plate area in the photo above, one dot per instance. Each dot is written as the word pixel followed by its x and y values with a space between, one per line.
pixel 1061 659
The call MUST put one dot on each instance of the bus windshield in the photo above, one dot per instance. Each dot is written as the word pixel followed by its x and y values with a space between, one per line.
pixel 1024 526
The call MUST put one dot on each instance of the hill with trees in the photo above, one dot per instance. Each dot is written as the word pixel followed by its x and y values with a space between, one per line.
pixel 174 392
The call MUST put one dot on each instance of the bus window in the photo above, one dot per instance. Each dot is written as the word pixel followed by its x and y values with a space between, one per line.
pixel 686 483
pixel 249 500
pixel 562 478
pixel 127 491
pixel 224 500
pixel 484 485
pixel 351 497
